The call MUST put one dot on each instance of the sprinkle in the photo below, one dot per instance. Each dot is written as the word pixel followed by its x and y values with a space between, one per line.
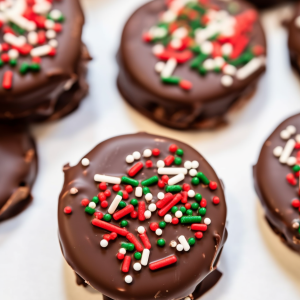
pixel 138 192
pixel 169 68
pixel 73 191
pixel 126 264
pixel 174 189
pixel 169 160
pixel 147 153
pixel 278 151
pixel 122 251
pixel 291 129
pixel 173 202
pixel 89 210
pixel 291 161
pixel 168 218
pixel 127 180
pixel 131 238
pixel 203 178
pixel 191 193
pixel 110 227
pixel 123 212
pixel 227 80
pixel 174 180
pixel 188 164
pixel 159 66
pixel 158 231
pixel 163 263
pixel 67 210
pixel 172 171
pixel 150 181
pixel 145 257
pixel 160 195
pixel 161 242
pixel 114 204
pixel 85 162
pixel 103 243
pixel 190 219
pixel 135 169
pixel 207 221
pixel 184 243
pixel 285 134
pixel 250 68
pixel 129 159
pixel 199 227
pixel 136 155
pixel 179 247
pixel 14 40
pixel 160 164
pixel 149 197
pixel 173 244
pixel 137 267
pixel 41 50
pixel 178 214
pixel 128 246
pixel 128 279
pixel 288 149
pixel 145 240
pixel 7 80
pixel 152 207
pixel 141 210
pixel 107 179
pixel 193 172
pixel 147 214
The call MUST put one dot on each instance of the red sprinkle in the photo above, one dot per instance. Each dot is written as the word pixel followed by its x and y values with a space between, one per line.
pixel 162 203
pixel 199 227
pixel 110 227
pixel 166 208
pixel 98 215
pixel 155 152
pixel 203 203
pixel 106 237
pixel 153 226
pixel 216 200
pixel 169 160
pixel 141 210
pixel 184 197
pixel 135 169
pixel 185 85
pixel 101 197
pixel 188 205
pixel 145 240
pixel 291 179
pixel 213 185
pixel 173 148
pixel 199 235
pixel 107 193
pixel 175 221
pixel 149 164
pixel 129 188
pixel 113 236
pixel 165 178
pixel 295 203
pixel 125 195
pixel 123 212
pixel 5 57
pixel 131 238
pixel 5 47
pixel 186 187
pixel 126 264
pixel 163 262
pixel 116 188
pixel 120 256
pixel 134 214
pixel 161 184
pixel 104 204
pixel 85 202
pixel 102 186
pixel 67 210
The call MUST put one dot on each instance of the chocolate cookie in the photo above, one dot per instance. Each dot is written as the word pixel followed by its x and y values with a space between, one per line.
pixel 293 39
pixel 152 227
pixel 18 162
pixel 42 61
pixel 276 177
pixel 185 64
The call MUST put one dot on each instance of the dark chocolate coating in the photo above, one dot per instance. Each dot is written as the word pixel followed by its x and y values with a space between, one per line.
pixel 268 3
pixel 204 106
pixel 274 192
pixel 41 95
pixel 293 41
pixel 99 267
pixel 18 162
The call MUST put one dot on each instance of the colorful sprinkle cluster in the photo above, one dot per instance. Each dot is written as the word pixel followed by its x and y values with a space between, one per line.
pixel 285 157
pixel 29 28
pixel 171 204
pixel 213 40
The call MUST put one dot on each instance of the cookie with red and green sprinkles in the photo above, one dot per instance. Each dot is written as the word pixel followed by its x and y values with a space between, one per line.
pixel 137 209
pixel 42 59
pixel 276 177
pixel 185 63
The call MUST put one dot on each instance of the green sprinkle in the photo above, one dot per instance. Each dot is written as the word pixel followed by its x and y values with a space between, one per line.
pixel 1 63
pixel 198 197
pixel 179 152
pixel 202 70
pixel 128 246
pixel 174 209
pixel 13 62
pixel 150 181
pixel 107 217
pixel 203 178
pixel 123 223
pixel 130 181
pixel 120 193
pixel 183 209
pixel 190 219
pixel 122 204
pixel 173 189
pixel 296 168
pixel 177 161
pixel 195 181
pixel 146 190
pixel 161 242
pixel 171 80
pixel 162 224
pixel 35 67
pixel 24 68
pixel 191 241
pixel 95 199
pixel 195 206
pixel 137 255
pixel 196 62
pixel 189 212
pixel 202 211
pixel 134 202
pixel 90 210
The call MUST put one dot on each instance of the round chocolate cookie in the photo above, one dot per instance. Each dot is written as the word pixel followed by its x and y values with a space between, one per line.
pixel 143 217
pixel 42 61
pixel 293 40
pixel 276 177
pixel 185 64
pixel 18 162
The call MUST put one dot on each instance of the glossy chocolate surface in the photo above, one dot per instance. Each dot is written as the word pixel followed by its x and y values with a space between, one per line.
pixel 204 106
pixel 99 267
pixel 18 162
pixel 274 192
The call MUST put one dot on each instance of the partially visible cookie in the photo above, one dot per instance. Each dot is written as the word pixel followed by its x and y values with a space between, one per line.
pixel 18 170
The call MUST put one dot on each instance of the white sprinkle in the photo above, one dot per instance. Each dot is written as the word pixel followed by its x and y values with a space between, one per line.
pixel 152 207
pixel 136 155
pixel 137 266
pixel 206 47
pixel 297 138
pixel 145 257
pixel 191 193
pixel 195 164
pixel 180 33
pixel 107 179
pixel 160 195
pixel 49 24
pixel 188 164
pixel 296 225
pixel 42 7
pixel 207 221
pixel 32 38
pixel 158 32
pixel 169 68
pixel 285 135
pixel 92 205
pixel 227 49
pixel 53 43
pixel 129 159
pixel 128 279
pixel 287 151
pixel 168 218
pixel 40 51
pixel 184 243
pixel 291 129
pixel 226 80
pixel 193 172
pixel 50 34
pixel 149 197
pixel 209 64
pixel 229 70
pixel 158 49
pixel 19 20
pixel 141 229
pixel 173 244
pixel 114 204
pixel 291 161
pixel 73 191
pixel 122 251
pixel 138 192
pixel 158 231
pixel 176 43
pixel 13 54
pixel 250 68
pixel 297 22
pixel 147 153
pixel 219 62
pixel 187 298
pixel 178 214
pixel 147 214
pixel 85 162
pixel 14 40
pixel 160 164
pixel 171 171
pixel 159 66
pixel 55 14
pixel 169 16
pixel 277 151
pixel 179 247
pixel 103 243
pixel 174 180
